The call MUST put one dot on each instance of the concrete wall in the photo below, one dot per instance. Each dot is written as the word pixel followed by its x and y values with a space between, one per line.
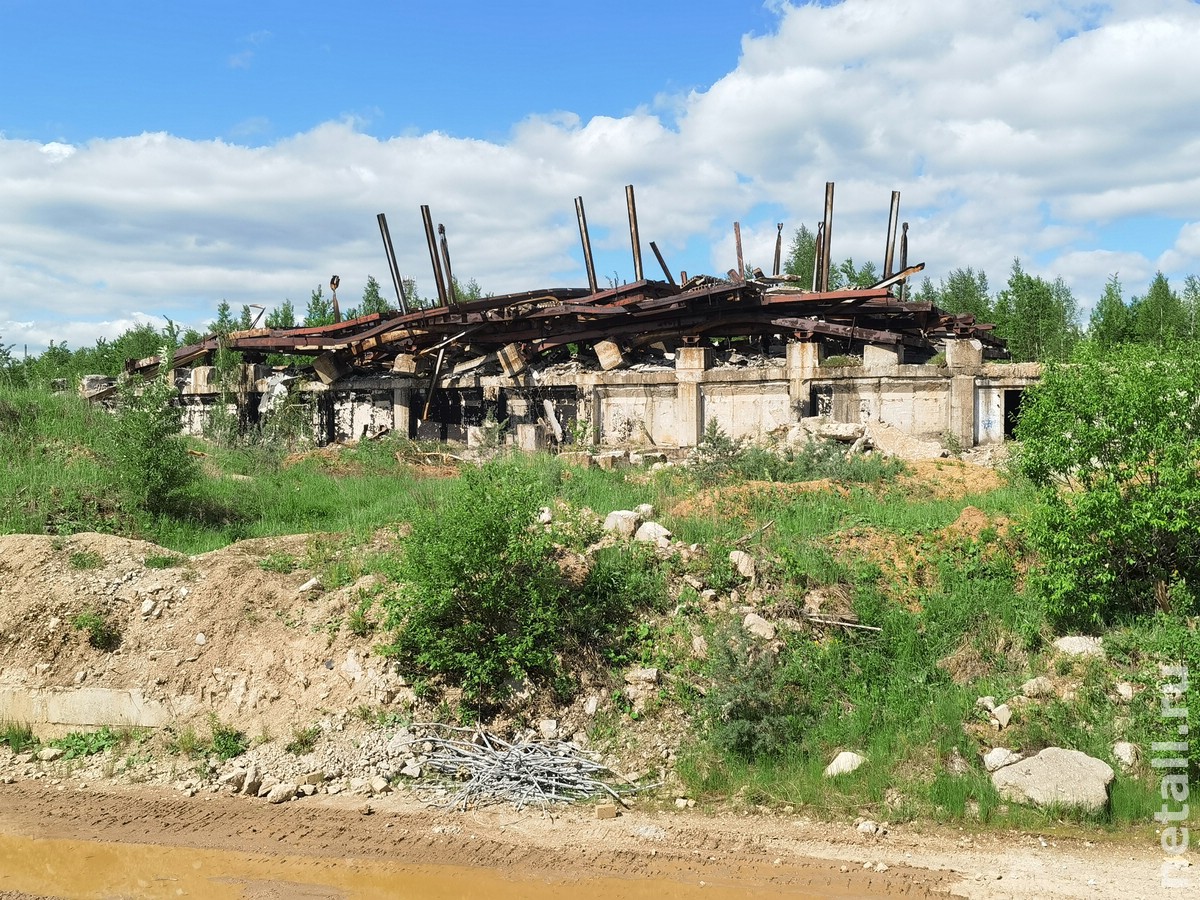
pixel 666 406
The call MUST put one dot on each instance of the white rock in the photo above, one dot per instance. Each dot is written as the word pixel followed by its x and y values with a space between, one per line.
pixel 545 516
pixel 1056 777
pixel 1001 715
pixel 379 785
pixel 148 606
pixel 758 626
pixel 412 770
pixel 1125 691
pixel 744 563
pixel 844 763
pixel 201 640
pixel 1127 755
pixel 639 675
pixel 252 781
pixel 50 754
pixel 868 828
pixel 592 704
pixel 645 511
pixel 699 647
pixel 311 586
pixel 269 782
pixel 281 793
pixel 988 703
pixel 681 803
pixel 624 522
pixel 1038 688
pixel 999 757
pixel 651 533
pixel 1080 645
pixel 233 780
pixel 548 729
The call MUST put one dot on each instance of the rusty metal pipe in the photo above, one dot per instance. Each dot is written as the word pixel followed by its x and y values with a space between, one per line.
pixel 586 240
pixel 778 249
pixel 904 261
pixel 889 250
pixel 446 259
pixel 388 249
pixel 427 218
pixel 437 373
pixel 662 262
pixel 828 233
pixel 818 256
pixel 633 233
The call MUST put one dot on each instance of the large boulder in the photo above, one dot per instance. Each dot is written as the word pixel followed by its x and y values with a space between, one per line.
pixel 1056 777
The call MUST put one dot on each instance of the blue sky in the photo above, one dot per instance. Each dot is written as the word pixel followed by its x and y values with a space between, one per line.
pixel 156 158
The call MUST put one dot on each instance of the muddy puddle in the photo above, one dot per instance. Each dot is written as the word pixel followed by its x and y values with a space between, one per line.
pixel 95 870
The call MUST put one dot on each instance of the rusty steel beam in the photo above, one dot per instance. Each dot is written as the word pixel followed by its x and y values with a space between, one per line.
pixel 431 241
pixel 633 233
pixel 586 240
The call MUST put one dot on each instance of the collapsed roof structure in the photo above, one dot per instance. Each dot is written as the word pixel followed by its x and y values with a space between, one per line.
pixel 512 331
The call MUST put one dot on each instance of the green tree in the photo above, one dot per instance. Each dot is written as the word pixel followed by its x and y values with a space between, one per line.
pixel 966 291
pixel 1113 440
pixel 320 309
pixel 1159 318
pixel 147 451
pixel 1111 323
pixel 1039 319
pixel 802 256
pixel 282 316
pixel 1191 306
pixel 225 322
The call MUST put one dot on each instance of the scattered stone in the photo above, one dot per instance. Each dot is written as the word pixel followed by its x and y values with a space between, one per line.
pixel 1056 777
pixel 268 784
pixel 606 811
pixel 379 785
pixel 652 533
pixel 1001 716
pixel 548 729
pixel 1038 688
pixel 844 763
pixel 869 828
pixel 201 640
pixel 312 586
pixel 252 781
pixel 313 778
pixel 411 770
pixel 281 793
pixel 233 780
pixel 759 627
pixel 592 704
pixel 744 563
pixel 681 803
pixel 80 677
pixel 999 757
pixel 640 675
pixel 699 647
pixel 645 511
pixel 624 522
pixel 988 703
pixel 306 790
pixel 50 754
pixel 1127 755
pixel 1124 691
pixel 955 764
pixel 148 606
pixel 1080 645
pixel 545 516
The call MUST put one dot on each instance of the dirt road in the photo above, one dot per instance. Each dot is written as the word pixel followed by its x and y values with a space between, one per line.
pixel 79 842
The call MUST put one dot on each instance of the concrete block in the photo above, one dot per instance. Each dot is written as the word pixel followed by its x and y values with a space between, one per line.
pixel 512 360
pixel 330 367
pixel 964 353
pixel 694 358
pixel 882 356
pixel 531 438
pixel 610 355
pixel 405 364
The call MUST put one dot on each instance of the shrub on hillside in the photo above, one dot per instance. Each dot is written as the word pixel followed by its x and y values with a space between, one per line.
pixel 1114 444
pixel 147 449
pixel 482 598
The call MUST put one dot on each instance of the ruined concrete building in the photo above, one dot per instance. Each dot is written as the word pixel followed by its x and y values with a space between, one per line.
pixel 650 363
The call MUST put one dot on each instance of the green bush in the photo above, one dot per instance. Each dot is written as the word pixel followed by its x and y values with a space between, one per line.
pixel 483 598
pixel 19 737
pixel 86 743
pixel 227 741
pixel 148 452
pixel 1114 445
pixel 102 634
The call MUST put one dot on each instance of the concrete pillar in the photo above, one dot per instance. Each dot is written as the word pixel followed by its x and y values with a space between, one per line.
pixel 401 409
pixel 803 360
pixel 690 366
pixel 964 353
pixel 962 409
pixel 877 357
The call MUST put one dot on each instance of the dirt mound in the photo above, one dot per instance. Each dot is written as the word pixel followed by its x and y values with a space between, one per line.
pixel 947 479
pixel 216 633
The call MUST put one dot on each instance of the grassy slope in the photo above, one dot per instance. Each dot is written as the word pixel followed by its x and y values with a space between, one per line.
pixel 881 693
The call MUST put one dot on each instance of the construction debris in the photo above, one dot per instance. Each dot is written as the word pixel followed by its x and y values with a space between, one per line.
pixel 508 333
pixel 490 770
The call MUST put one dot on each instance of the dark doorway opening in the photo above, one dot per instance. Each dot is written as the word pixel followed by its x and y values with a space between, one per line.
pixel 1012 410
